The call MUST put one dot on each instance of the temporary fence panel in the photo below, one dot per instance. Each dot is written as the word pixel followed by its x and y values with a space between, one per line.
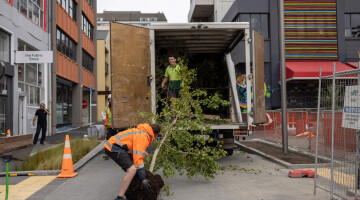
pixel 337 133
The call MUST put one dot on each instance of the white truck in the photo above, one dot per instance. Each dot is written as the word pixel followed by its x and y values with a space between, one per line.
pixel 133 70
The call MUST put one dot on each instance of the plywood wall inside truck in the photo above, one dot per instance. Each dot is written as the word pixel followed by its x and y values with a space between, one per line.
pixel 130 61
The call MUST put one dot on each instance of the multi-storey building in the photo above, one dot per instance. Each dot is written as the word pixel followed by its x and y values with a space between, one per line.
pixel 23 27
pixel 317 33
pixel 129 17
pixel 73 42
pixel 103 72
pixel 208 10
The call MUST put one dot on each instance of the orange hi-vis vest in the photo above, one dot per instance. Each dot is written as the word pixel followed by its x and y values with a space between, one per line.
pixel 137 141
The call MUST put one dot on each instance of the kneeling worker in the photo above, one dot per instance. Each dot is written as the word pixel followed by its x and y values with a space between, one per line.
pixel 134 142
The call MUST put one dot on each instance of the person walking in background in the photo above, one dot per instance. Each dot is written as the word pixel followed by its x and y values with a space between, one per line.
pixel 108 123
pixel 41 115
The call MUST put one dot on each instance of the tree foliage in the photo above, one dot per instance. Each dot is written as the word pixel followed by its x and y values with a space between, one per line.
pixel 185 145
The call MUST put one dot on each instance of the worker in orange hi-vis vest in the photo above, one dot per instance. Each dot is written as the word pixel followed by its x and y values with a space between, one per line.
pixel 133 141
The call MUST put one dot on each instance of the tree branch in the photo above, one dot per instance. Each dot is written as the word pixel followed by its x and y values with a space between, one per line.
pixel 157 150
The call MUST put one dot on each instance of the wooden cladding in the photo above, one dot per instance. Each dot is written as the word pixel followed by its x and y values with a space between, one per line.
pixel 66 68
pixel 88 79
pixel 88 11
pixel 66 23
pixel 88 45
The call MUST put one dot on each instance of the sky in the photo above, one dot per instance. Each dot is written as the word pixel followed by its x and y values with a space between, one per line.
pixel 176 11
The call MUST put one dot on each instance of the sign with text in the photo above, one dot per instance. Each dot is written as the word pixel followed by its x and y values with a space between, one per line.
pixel 351 111
pixel 34 57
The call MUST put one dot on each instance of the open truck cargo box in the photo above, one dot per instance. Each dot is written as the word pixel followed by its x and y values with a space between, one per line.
pixel 133 61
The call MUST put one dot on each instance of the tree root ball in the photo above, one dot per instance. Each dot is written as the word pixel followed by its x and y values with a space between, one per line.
pixel 134 192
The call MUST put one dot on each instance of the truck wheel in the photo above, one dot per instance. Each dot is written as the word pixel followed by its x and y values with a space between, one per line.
pixel 229 151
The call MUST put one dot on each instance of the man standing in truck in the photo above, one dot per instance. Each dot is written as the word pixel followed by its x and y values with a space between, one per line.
pixel 172 74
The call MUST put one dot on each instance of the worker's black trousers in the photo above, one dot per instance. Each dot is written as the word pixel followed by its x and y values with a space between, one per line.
pixel 43 135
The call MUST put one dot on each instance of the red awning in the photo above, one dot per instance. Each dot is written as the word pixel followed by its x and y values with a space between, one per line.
pixel 353 64
pixel 310 70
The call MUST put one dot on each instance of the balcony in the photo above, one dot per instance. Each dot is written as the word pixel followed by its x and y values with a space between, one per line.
pixel 66 23
pixel 66 68
pixel 106 68
pixel 201 10
pixel 88 79
pixel 88 45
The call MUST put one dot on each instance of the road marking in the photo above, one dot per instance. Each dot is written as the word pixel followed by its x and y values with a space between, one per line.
pixel 347 180
pixel 26 188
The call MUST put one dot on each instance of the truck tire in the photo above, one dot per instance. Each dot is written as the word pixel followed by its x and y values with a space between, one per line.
pixel 229 151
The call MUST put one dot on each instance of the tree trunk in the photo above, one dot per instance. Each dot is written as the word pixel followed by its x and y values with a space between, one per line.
pixel 157 150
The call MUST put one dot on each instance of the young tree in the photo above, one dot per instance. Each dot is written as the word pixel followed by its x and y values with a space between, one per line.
pixel 185 145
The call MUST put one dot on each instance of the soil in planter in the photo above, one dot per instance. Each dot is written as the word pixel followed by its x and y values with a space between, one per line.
pixel 290 157
pixel 134 192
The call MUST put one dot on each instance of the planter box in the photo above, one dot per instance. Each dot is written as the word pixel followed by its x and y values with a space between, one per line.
pixel 13 143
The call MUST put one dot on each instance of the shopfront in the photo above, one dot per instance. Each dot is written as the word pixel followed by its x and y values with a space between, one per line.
pixel 6 85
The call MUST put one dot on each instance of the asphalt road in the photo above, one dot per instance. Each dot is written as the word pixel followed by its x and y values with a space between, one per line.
pixel 260 179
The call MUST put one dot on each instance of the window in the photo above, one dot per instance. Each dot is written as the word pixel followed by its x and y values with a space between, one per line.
pixel 87 27
pixel 30 76
pixel 63 104
pixel 4 46
pixel 148 19
pixel 352 25
pixel 65 45
pixel 90 2
pixel 2 115
pixel 258 22
pixel 69 6
pixel 100 19
pixel 32 10
pixel 87 61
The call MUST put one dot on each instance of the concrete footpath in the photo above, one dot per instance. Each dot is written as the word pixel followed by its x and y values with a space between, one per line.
pixel 259 179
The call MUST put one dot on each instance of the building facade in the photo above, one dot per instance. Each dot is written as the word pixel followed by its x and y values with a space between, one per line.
pixel 23 27
pixel 135 18
pixel 208 10
pixel 73 42
pixel 317 33
pixel 103 72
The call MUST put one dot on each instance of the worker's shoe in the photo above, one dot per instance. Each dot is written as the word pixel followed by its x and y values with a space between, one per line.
pixel 105 156
pixel 119 198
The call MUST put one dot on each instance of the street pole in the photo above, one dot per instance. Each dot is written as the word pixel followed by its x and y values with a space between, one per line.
pixel 90 105
pixel 283 77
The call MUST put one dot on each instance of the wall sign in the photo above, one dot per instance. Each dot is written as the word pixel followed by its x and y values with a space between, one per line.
pixel 351 111
pixel 34 57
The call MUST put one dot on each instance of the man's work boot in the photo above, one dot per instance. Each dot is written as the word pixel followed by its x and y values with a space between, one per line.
pixel 106 156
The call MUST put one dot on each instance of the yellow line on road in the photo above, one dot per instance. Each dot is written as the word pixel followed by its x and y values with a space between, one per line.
pixel 347 180
pixel 26 188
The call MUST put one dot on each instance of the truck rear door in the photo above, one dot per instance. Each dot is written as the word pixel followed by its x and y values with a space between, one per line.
pixel 131 72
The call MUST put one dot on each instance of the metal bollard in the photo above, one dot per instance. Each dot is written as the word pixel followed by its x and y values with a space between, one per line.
pixel 7 159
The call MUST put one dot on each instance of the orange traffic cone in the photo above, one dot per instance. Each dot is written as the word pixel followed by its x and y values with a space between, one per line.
pixel 67 170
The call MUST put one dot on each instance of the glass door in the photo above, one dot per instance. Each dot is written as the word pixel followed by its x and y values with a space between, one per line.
pixel 2 115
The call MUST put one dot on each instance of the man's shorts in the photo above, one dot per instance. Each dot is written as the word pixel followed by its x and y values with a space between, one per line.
pixel 122 159
pixel 174 93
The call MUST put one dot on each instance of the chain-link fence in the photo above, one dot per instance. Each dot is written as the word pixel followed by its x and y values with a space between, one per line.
pixel 331 131
pixel 300 126
pixel 337 128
